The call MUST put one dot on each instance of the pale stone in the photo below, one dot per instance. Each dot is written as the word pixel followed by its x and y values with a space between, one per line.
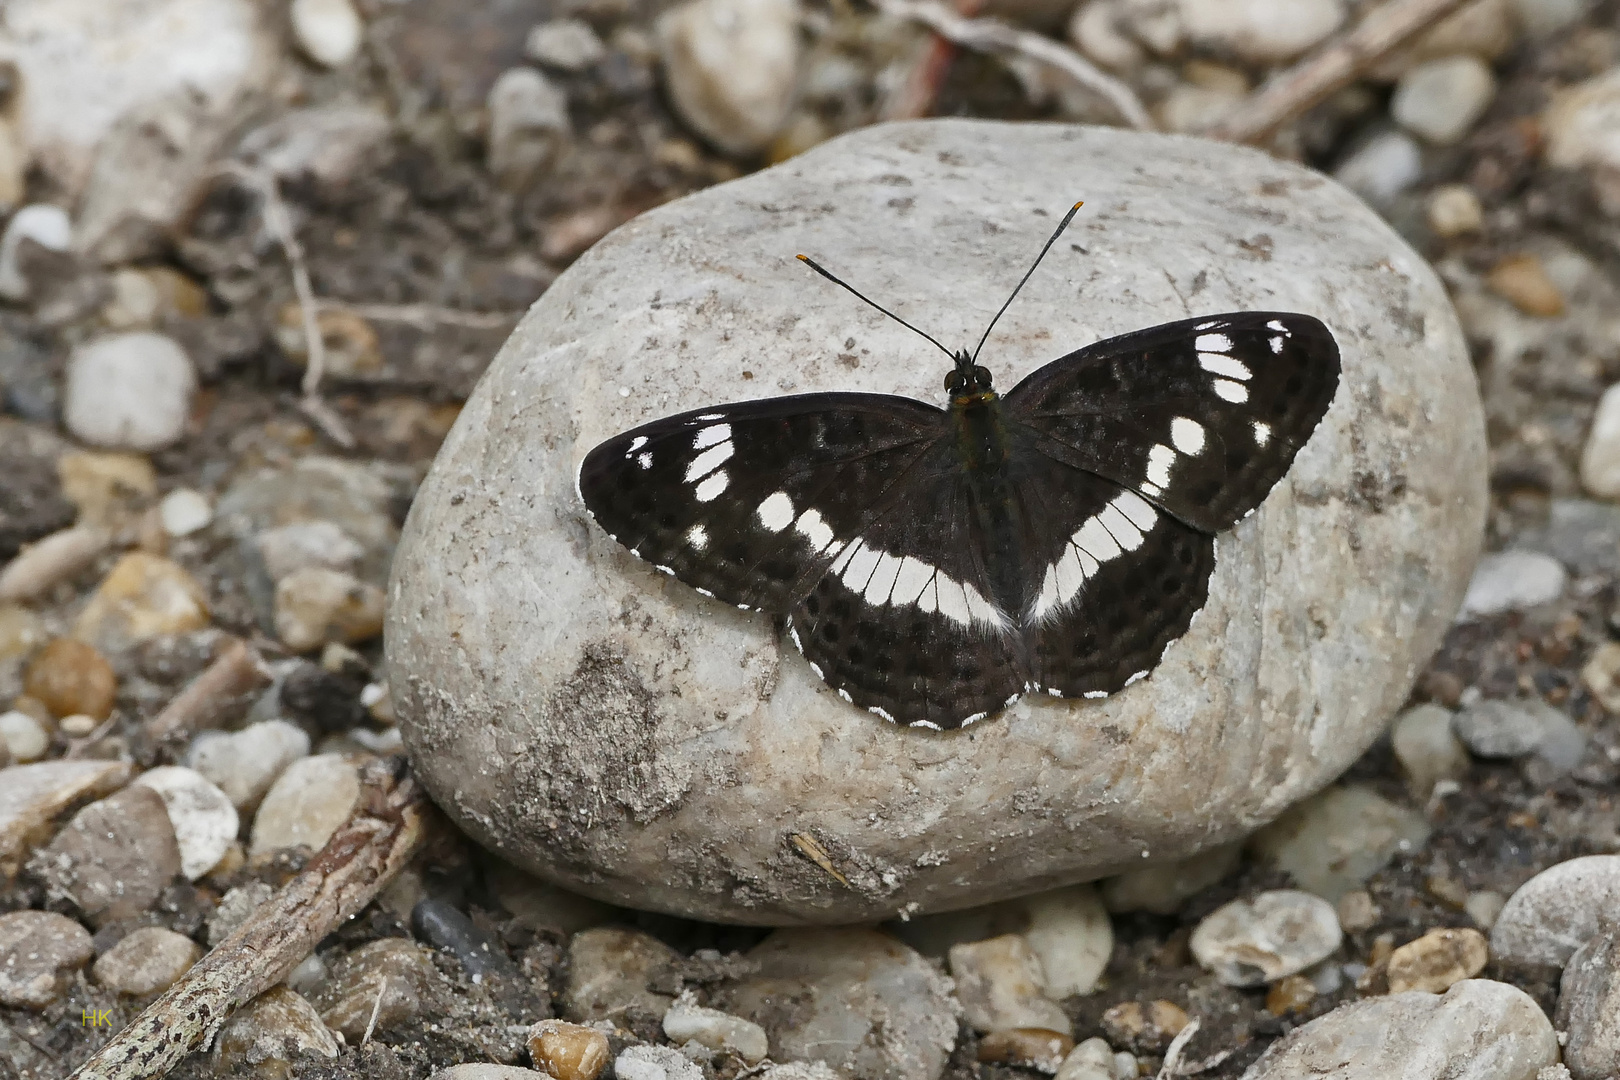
pixel 1454 210
pixel 146 961
pixel 1426 749
pixel 307 803
pixel 1582 126
pixel 1278 933
pixel 1600 457
pixel 43 224
pixel 268 1031
pixel 1439 100
pixel 142 597
pixel 1337 840
pixel 204 820
pixel 565 44
pixel 731 67
pixel 686 1021
pixel 24 737
pixel 31 796
pixel 129 391
pixel 1000 984
pixel 1382 167
pixel 329 31
pixel 245 763
pixel 1512 581
pixel 528 124
pixel 536 667
pixel 315 606
pixel 1261 32
pixel 39 952
pixel 1557 911
pixel 184 512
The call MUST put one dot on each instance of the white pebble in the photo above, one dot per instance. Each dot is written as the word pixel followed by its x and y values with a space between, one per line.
pixel 306 804
pixel 655 1063
pixel 1260 31
pixel 47 226
pixel 528 122
pixel 565 44
pixel 1095 30
pixel 1512 581
pixel 1454 210
pixel 732 67
pixel 1382 168
pixel 185 511
pixel 1600 458
pixel 245 763
pixel 204 820
pixel 686 1021
pixel 1440 100
pixel 24 736
pixel 1278 933
pixel 129 391
pixel 1000 984
pixel 329 31
pixel 287 549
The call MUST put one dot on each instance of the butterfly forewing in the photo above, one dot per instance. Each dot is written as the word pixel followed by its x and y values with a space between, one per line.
pixel 1201 416
pixel 749 502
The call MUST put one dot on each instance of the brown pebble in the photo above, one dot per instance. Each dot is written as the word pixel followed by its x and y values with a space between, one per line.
pixel 1290 995
pixel 146 961
pixel 1522 280
pixel 114 859
pixel 1375 979
pixel 1029 1048
pixel 72 677
pixel 386 980
pixel 568 1051
pixel 1148 1028
pixel 39 952
pixel 1437 961
pixel 1447 890
pixel 1356 911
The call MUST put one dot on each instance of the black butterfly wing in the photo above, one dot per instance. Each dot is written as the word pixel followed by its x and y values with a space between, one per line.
pixel 1201 417
pixel 750 502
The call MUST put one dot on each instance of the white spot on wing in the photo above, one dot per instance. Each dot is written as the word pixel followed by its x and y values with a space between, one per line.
pixel 1160 458
pixel 636 444
pixel 1218 343
pixel 776 512
pixel 1120 527
pixel 714 433
pixel 1276 324
pixel 812 528
pixel 793 632
pixel 713 486
pixel 1277 344
pixel 698 537
pixel 1216 364
pixel 645 461
pixel 974 719
pixel 1095 541
pixel 879 710
pixel 712 416
pixel 911 580
pixel 1133 506
pixel 845 695
pixel 1262 433
pixel 1235 392
pixel 843 559
pixel 859 570
pixel 1095 694
pixel 953 601
pixel 1187 435
pixel 882 580
pixel 708 461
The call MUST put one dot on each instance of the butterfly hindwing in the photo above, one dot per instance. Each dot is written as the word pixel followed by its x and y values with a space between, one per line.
pixel 1201 416
pixel 746 502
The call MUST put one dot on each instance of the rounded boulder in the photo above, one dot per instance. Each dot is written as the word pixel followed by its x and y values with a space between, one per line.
pixel 612 730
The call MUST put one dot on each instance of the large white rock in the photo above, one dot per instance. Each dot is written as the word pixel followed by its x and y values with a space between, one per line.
pixel 617 733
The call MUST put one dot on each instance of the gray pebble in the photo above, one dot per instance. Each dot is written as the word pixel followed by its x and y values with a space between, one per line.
pixel 1501 729
pixel 1000 984
pixel 1582 534
pixel 387 979
pixel 205 822
pixel 1477 1030
pixel 243 764
pixel 39 952
pixel 731 67
pixel 655 1063
pixel 1426 749
pixel 1254 942
pixel 306 804
pixel 129 391
pixel 234 908
pixel 114 858
pixel 1439 100
pixel 686 1021
pixel 528 125
pixel 146 961
pixel 269 1031
pixel 483 1070
pixel 1557 911
pixel 1335 841
pixel 1382 167
pixel 565 44
pixel 1512 581
pixel 1589 1008
pixel 611 972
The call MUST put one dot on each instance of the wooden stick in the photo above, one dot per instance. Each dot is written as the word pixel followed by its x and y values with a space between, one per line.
pixel 989 35
pixel 368 850
pixel 1337 65
pixel 236 671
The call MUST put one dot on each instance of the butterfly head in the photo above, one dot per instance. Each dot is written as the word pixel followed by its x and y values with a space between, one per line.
pixel 967 379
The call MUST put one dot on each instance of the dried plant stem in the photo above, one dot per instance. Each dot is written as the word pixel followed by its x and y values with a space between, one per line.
pixel 1337 65
pixel 993 36
pixel 1172 1057
pixel 379 838
pixel 237 670
pixel 424 316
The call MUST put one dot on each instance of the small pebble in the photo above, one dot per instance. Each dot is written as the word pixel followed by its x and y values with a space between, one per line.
pixel 799 1070
pixel 731 67
pixel 610 972
pixel 1334 841
pixel 41 566
pixel 1437 961
pixel 1261 34
pixel 1252 942
pixel 566 44
pixel 1441 99
pixel 146 961
pixel 144 296
pixel 1522 280
pixel 142 597
pixel 1000 985
pixel 290 548
pixel 129 391
pixel 39 952
pixel 205 822
pixel 109 488
pixel 1601 674
pixel 1503 729
pixel 444 926
pixel 1589 1009
pixel 1382 168
pixel 1071 936
pixel 1091 1060
pixel 268 1032
pixel 21 632
pixel 71 677
pixel 655 1063
pixel 1579 126
pixel 352 350
pixel 1557 911
pixel 528 125
pixel 77 726
pixel 1512 581
pixel 393 971
pixel 483 1070
pixel 316 605
pixel 32 795
pixel 1027 1048
pixel 184 512
pixel 328 31
pixel 568 1051
pixel 48 226
pixel 1148 1028
pixel 114 858
pixel 1600 457
pixel 1426 749
pixel 686 1021
pixel 1162 890
pixel 1291 994
pixel 243 764
pixel 24 737
pixel 1356 911
pixel 306 804
pixel 1454 210
pixel 235 908
pixel 1477 1030
pixel 1484 907
pixel 1095 30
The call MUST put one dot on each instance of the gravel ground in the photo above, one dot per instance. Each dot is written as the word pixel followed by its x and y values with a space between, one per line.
pixel 172 486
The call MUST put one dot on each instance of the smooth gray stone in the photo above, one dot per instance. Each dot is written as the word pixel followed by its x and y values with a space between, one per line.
pixel 621 735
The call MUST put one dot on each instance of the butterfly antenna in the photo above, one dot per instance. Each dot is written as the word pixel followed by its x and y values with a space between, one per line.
pixel 1064 224
pixel 818 268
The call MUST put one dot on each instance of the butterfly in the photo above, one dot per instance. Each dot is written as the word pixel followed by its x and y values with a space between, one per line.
pixel 935 564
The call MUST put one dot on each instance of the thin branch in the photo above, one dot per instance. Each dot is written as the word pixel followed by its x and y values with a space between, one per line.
pixel 1337 65
pixel 424 316
pixel 992 36
pixel 1172 1056
pixel 236 671
pixel 381 835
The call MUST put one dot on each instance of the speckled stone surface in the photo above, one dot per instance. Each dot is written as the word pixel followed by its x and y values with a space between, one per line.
pixel 613 731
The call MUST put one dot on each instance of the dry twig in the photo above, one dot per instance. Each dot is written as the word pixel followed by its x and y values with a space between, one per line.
pixel 992 36
pixel 424 316
pixel 237 670
pixel 1172 1057
pixel 1337 65
pixel 384 831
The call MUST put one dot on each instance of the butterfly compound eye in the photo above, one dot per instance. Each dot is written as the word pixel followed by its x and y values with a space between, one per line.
pixel 981 377
pixel 953 381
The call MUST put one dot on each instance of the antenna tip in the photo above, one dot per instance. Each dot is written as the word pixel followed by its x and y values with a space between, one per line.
pixel 802 258
pixel 1077 206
